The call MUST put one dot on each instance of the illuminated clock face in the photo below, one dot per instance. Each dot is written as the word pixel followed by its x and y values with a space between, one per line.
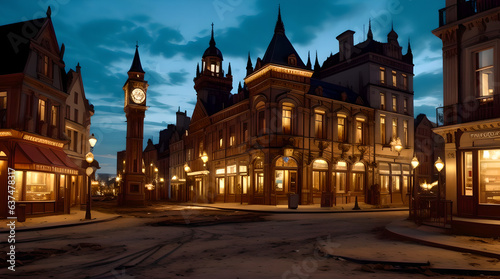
pixel 138 95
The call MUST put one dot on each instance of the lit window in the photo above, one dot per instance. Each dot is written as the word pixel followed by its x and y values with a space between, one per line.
pixel 200 149
pixel 231 136
pixel 405 131
pixel 382 100
pixel 382 130
pixel 341 128
pixel 318 123
pixel 394 128
pixel 3 100
pixel 405 105
pixel 360 123
pixel 41 110
pixel 54 115
pixel 484 73
pixel 394 79
pixel 394 103
pixel 489 175
pixel 221 139
pixel 382 75
pixel 245 132
pixel 40 186
pixel 286 119
pixel 220 188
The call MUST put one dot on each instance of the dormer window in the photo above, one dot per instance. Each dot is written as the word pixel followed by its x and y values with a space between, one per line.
pixel 292 60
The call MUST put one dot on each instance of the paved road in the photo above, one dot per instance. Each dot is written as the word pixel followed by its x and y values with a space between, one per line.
pixel 287 246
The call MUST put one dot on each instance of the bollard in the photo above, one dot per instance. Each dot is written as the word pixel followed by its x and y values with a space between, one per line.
pixel 356 206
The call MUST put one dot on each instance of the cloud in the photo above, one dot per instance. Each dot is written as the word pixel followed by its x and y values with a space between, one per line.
pixel 109 156
pixel 428 101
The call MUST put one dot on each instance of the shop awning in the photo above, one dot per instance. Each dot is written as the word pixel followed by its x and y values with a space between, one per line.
pixel 41 158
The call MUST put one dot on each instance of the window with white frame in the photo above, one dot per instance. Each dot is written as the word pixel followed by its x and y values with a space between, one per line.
pixel 484 73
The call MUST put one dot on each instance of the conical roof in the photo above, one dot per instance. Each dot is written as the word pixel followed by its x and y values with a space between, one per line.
pixel 136 63
pixel 280 48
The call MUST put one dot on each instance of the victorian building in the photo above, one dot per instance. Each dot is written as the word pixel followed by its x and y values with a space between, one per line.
pixel 469 122
pixel 330 135
pixel 34 124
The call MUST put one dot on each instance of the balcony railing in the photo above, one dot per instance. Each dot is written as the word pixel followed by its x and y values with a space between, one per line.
pixel 474 110
pixel 467 8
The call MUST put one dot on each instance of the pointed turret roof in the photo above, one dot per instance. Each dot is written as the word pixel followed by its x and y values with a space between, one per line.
pixel 370 33
pixel 136 63
pixel 212 50
pixel 308 65
pixel 280 48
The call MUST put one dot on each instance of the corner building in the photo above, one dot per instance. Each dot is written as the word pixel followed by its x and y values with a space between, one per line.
pixel 292 129
pixel 469 121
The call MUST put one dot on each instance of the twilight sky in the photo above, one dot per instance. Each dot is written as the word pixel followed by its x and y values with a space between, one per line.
pixel 172 35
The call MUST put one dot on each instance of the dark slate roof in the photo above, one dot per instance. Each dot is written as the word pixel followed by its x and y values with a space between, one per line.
pixel 136 63
pixel 14 46
pixel 280 47
pixel 334 92
pixel 212 50
pixel 367 46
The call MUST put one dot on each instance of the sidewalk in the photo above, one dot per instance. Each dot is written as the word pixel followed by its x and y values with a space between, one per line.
pixel 437 237
pixel 314 208
pixel 75 218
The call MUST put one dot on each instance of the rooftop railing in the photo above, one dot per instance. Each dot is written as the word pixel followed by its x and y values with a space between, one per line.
pixel 467 8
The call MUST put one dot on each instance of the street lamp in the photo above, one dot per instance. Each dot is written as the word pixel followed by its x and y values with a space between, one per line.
pixel 439 164
pixel 414 165
pixel 89 158
pixel 397 145
pixel 204 158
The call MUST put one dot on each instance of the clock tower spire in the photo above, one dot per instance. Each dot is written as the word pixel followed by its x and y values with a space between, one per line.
pixel 135 88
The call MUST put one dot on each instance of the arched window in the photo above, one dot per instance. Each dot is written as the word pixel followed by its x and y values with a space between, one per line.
pixel 259 177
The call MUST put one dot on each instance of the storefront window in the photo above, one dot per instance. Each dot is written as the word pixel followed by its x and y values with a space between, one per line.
pixel 244 183
pixel 358 176
pixel 467 189
pixel 489 177
pixel 220 185
pixel 230 185
pixel 259 183
pixel 396 177
pixel 384 172
pixel 340 176
pixel 40 186
pixel 279 180
pixel 18 194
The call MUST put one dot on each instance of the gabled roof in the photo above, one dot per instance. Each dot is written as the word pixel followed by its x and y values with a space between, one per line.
pixel 280 48
pixel 14 46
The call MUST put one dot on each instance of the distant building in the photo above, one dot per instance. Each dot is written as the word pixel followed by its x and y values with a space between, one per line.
pixel 34 91
pixel 470 119
pixel 428 147
pixel 328 134
pixel 77 128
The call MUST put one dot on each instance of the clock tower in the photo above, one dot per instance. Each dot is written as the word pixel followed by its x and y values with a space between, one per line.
pixel 135 88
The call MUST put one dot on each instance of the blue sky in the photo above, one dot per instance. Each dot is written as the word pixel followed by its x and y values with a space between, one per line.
pixel 172 35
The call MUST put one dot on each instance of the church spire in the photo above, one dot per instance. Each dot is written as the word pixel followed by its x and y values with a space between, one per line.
pixel 280 27
pixel 136 63
pixel 229 72
pixel 212 40
pixel 249 65
pixel 308 65
pixel 317 67
pixel 370 33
